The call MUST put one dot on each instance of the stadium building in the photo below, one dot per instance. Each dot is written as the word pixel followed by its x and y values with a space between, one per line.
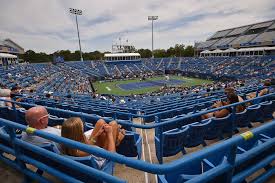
pixel 254 39
pixel 9 51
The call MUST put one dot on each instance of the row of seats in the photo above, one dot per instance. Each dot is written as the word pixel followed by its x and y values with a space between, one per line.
pixel 189 133
pixel 229 161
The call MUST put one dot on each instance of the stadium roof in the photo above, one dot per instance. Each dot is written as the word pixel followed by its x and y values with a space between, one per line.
pixel 239 50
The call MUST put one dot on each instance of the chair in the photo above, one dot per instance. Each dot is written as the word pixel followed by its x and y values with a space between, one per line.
pixel 131 145
pixel 3 112
pixel 195 135
pixel 107 167
pixel 171 142
pixel 248 145
pixel 54 120
pixel 215 129
pixel 255 114
pixel 241 119
pixel 21 116
pixel 267 110
pixel 197 167
pixel 3 141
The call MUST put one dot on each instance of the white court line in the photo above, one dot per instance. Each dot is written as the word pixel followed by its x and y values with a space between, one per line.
pixel 150 156
pixel 143 154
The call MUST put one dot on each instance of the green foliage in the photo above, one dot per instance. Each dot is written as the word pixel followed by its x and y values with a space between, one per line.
pixel 145 53
pixel 189 51
pixel 32 57
pixel 179 50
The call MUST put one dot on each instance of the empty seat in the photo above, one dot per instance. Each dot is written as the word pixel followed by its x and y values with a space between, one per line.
pixel 171 142
pixel 241 119
pixel 215 130
pixel 267 109
pixel 195 136
pixel 131 145
pixel 254 113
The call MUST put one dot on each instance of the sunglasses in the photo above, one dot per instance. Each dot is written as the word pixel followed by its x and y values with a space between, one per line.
pixel 43 117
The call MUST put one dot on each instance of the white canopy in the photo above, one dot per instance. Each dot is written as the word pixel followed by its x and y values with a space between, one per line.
pixel 229 50
pixel 217 51
pixel 206 51
pixel 121 54
pixel 7 55
pixel 256 49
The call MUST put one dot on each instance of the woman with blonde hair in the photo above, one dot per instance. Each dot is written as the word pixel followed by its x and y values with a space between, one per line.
pixel 106 136
pixel 103 135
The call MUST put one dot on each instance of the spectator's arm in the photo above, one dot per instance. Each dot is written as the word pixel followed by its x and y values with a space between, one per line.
pixel 222 113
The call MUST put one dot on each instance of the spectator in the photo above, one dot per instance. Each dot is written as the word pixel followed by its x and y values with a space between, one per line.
pixel 231 90
pixel 264 91
pixel 106 136
pixel 231 98
pixel 37 117
pixel 5 95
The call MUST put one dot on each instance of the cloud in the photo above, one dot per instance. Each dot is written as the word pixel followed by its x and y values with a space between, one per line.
pixel 48 26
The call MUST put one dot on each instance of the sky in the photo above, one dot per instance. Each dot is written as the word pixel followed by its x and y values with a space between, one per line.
pixel 47 25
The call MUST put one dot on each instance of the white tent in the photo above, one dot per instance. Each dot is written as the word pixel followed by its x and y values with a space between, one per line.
pixel 206 51
pixel 217 51
pixel 230 50
pixel 7 55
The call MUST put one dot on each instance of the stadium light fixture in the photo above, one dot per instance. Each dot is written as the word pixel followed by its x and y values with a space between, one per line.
pixel 152 18
pixel 77 12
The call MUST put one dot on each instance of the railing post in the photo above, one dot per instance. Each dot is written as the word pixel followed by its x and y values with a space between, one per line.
pixel 158 133
pixel 233 121
pixel 21 164
pixel 231 160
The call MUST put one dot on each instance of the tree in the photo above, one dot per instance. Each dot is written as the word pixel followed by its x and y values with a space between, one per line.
pixel 32 57
pixel 189 51
pixel 145 53
pixel 160 53
pixel 170 52
pixel 178 50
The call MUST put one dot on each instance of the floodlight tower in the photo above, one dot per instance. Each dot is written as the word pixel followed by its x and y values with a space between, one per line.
pixel 77 12
pixel 152 18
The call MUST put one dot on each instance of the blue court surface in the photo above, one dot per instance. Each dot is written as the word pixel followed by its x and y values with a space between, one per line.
pixel 148 84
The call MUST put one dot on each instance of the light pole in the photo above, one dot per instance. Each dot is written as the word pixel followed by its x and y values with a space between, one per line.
pixel 152 18
pixel 77 12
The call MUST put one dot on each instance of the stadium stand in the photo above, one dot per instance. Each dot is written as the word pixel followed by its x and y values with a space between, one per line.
pixel 254 148
pixel 163 127
pixel 248 36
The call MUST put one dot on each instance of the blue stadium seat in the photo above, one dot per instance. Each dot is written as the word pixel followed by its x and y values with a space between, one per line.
pixel 171 142
pixel 241 119
pixel 197 167
pixel 195 135
pixel 54 121
pixel 267 110
pixel 107 167
pixel 216 127
pixel 255 113
pixel 131 145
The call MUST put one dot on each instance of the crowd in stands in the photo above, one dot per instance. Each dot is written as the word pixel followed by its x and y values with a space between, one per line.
pixel 66 86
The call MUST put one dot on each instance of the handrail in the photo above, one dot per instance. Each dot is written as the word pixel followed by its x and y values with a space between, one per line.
pixel 153 125
pixel 140 164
